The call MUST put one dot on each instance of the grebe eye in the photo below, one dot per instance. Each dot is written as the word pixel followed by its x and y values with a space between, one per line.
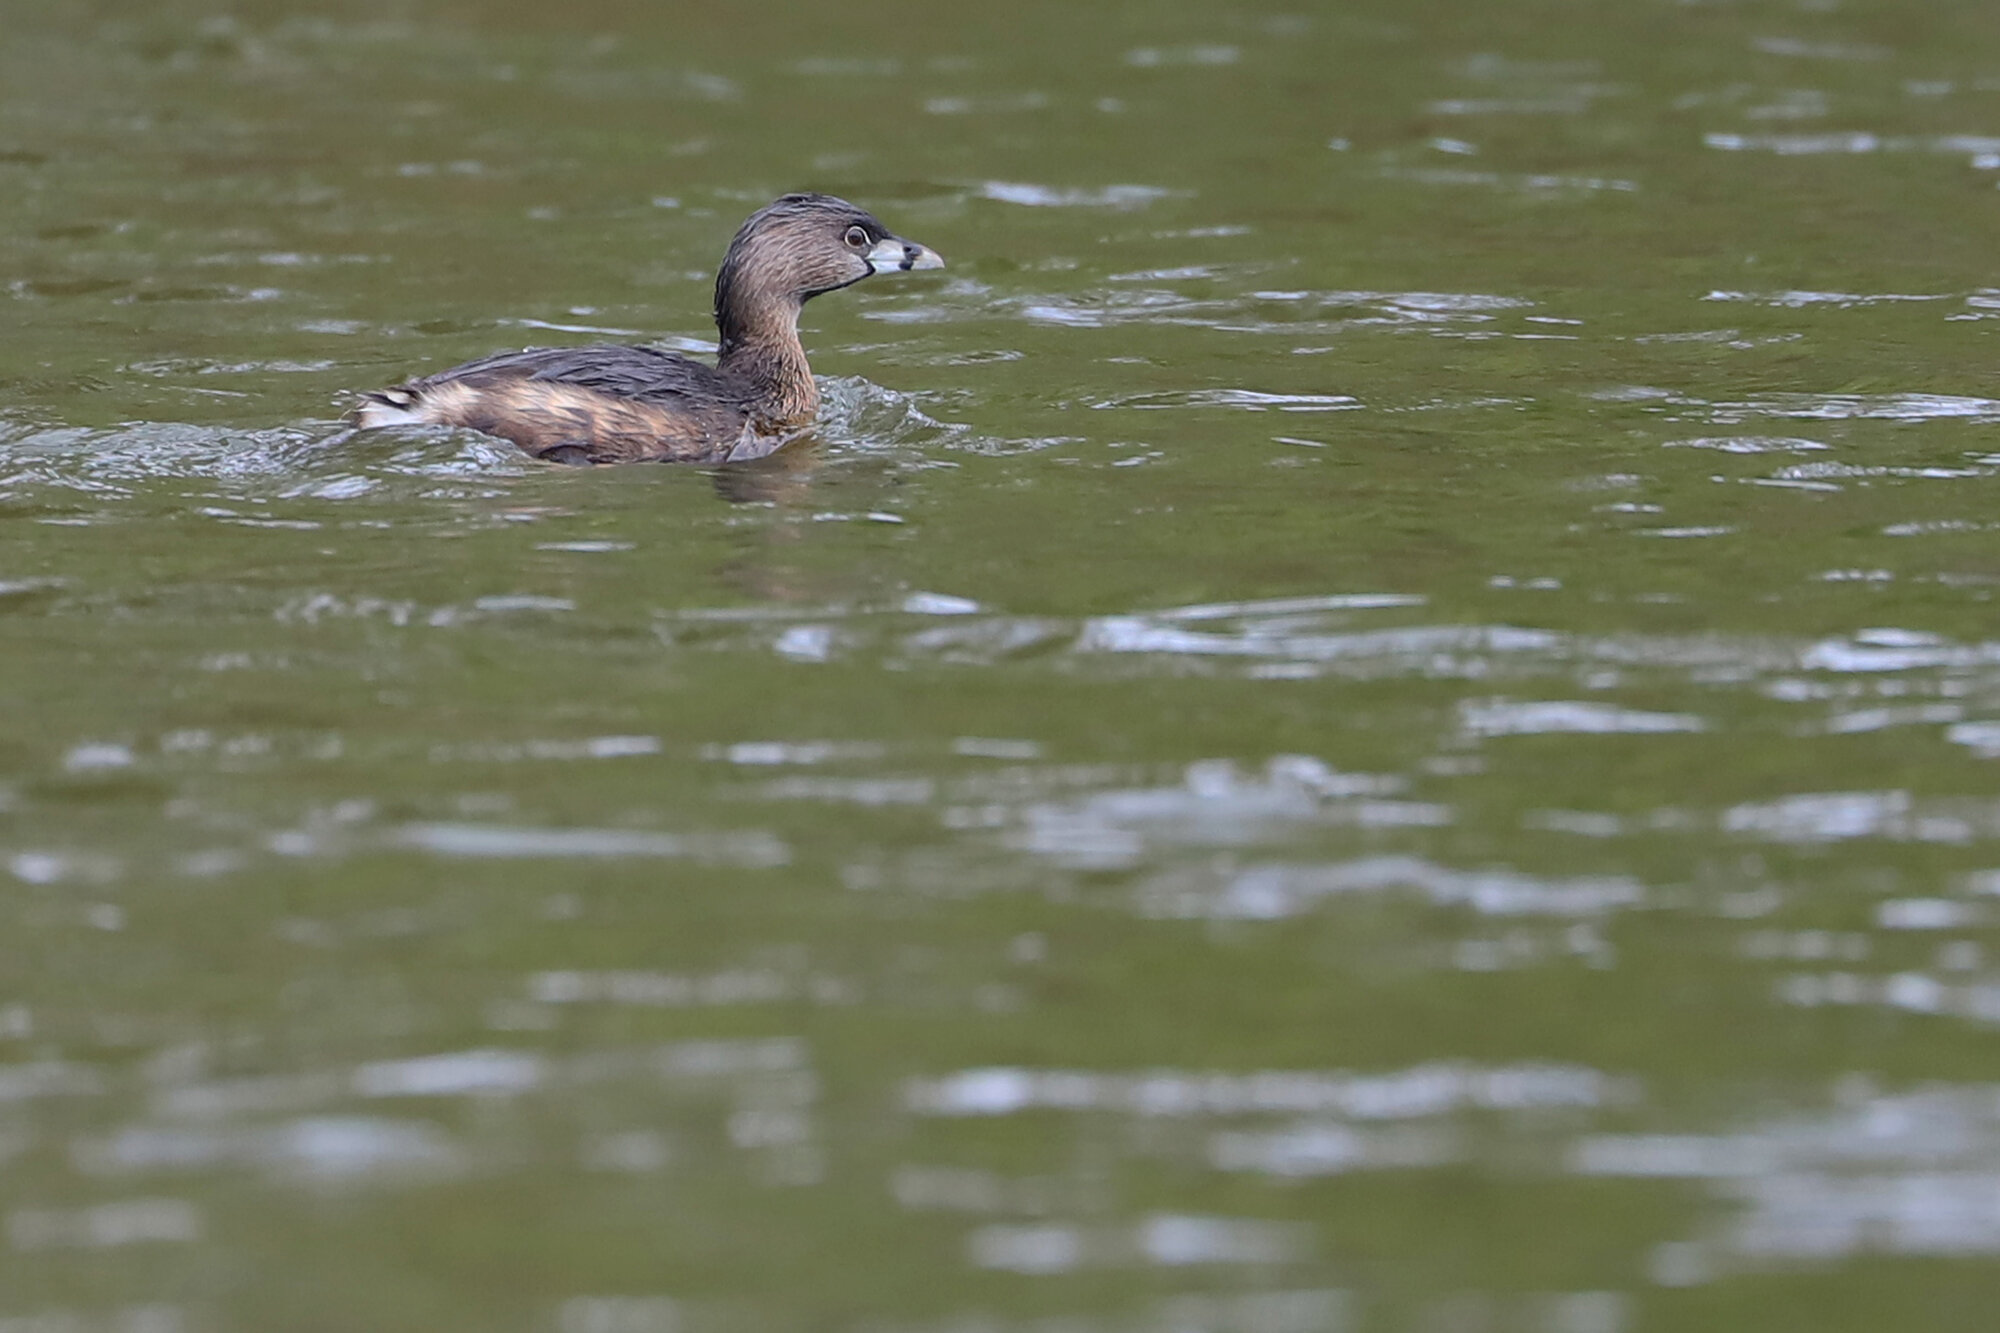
pixel 857 237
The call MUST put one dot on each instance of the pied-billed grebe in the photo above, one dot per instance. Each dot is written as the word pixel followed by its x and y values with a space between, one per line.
pixel 612 404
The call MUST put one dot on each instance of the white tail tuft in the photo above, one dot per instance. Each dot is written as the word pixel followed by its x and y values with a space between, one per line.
pixel 390 407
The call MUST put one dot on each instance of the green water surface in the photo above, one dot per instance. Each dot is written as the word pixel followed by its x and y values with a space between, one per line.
pixel 1377 712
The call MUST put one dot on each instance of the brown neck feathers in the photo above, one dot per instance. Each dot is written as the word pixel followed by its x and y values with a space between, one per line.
pixel 758 321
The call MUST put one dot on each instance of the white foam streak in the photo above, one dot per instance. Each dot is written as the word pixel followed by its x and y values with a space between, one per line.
pixel 1907 1173
pixel 1415 1093
pixel 1501 717
pixel 1277 891
pixel 514 842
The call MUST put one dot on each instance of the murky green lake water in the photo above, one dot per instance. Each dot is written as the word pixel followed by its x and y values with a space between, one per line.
pixel 1377 713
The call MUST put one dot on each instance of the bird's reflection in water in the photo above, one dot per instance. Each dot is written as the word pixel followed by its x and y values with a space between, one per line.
pixel 770 569
pixel 779 560
pixel 783 478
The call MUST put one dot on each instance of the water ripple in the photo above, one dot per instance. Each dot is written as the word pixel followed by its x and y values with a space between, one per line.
pixel 511 842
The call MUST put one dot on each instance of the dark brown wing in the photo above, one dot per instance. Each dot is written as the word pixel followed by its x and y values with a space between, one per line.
pixel 643 373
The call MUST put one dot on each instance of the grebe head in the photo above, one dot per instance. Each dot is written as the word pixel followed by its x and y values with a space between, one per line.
pixel 802 245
